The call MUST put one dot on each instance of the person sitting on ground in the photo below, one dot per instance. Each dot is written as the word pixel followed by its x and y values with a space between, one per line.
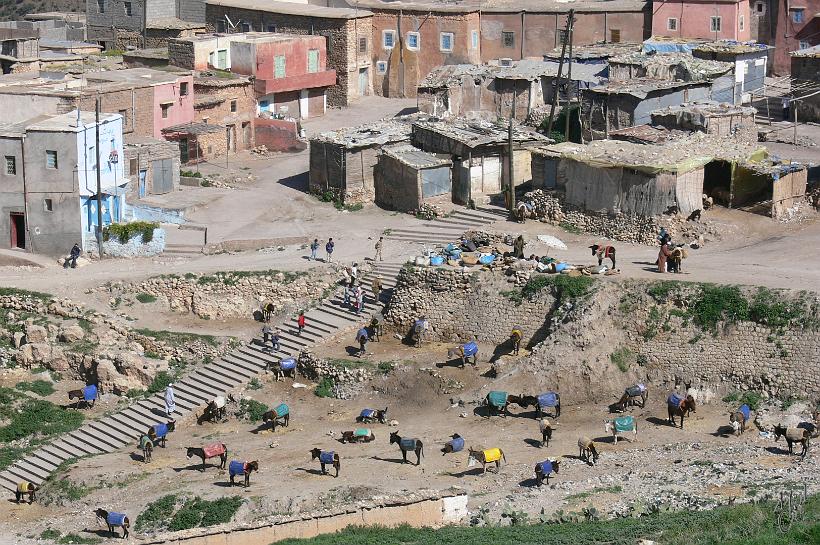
pixel 518 247
pixel 71 260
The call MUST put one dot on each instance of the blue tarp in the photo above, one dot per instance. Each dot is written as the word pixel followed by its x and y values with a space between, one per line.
pixel 457 443
pixel 287 364
pixel 747 412
pixel 368 413
pixel 674 400
pixel 161 430
pixel 115 519
pixel 470 349
pixel 408 444
pixel 549 399
pixel 90 392
pixel 281 409
pixel 546 467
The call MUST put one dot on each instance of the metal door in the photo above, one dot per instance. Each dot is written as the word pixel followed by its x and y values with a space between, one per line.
pixel 550 173
pixel 304 104
pixel 363 77
pixel 162 176
pixel 461 182
pixel 435 181
pixel 222 59
pixel 142 176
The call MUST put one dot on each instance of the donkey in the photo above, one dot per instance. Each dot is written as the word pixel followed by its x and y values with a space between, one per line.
pixel 679 406
pixel 86 395
pixel 586 448
pixel 209 451
pixel 326 457
pixel 158 432
pixel 524 210
pixel 515 339
pixel 455 444
pixel 632 396
pixel 602 252
pixel 147 446
pixel 622 424
pixel 278 415
pixel 793 435
pixel 286 368
pixel 215 410
pixel 489 456
pixel 467 353
pixel 370 416
pixel 237 468
pixel 546 431
pixel 408 444
pixel 25 488
pixel 544 469
pixel 114 520
pixel 359 435
pixel 739 418
pixel 419 331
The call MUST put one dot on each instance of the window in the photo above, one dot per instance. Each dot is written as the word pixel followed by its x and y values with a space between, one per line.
pixel 413 41
pixel 133 166
pixel 388 39
pixel 797 15
pixel 804 44
pixel 245 27
pixel 362 45
pixel 715 24
pixel 508 38
pixel 271 28
pixel 51 159
pixel 614 35
pixel 233 106
pixel 313 61
pixel 760 7
pixel 205 120
pixel 127 6
pixel 183 89
pixel 279 66
pixel 741 23
pixel 48 205
pixel 101 6
pixel 220 25
pixel 381 67
pixel 474 37
pixel 124 114
pixel 165 108
pixel 11 165
pixel 671 24
pixel 446 41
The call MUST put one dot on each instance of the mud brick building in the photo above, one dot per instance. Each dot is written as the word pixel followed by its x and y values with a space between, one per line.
pixel 230 103
pixel 152 166
pixel 806 74
pixel 347 33
pixel 118 24
pixel 702 19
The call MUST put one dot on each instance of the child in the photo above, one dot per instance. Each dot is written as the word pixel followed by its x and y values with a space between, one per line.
pixel 300 322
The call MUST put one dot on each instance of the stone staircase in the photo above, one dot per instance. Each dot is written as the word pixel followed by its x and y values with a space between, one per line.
pixel 193 391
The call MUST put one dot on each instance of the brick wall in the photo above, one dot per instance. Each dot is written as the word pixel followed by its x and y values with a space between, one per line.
pixel 183 55
pixel 278 135
pixel 242 93
pixel 136 106
pixel 141 157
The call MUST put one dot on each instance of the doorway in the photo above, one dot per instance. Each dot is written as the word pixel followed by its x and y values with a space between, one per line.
pixel 363 81
pixel 717 181
pixel 17 226
pixel 142 177
pixel 183 150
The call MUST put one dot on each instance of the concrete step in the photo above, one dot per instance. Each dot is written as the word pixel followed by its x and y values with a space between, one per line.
pixel 32 469
pixel 111 433
pixel 251 364
pixel 7 482
pixel 222 366
pixel 19 474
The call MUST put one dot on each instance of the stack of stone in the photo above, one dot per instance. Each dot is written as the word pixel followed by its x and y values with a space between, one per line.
pixel 348 380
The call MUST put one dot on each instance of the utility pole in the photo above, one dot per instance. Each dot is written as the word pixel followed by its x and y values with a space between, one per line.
pixel 570 18
pixel 570 32
pixel 511 182
pixel 99 181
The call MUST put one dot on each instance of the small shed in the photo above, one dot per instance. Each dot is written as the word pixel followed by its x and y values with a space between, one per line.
pixel 152 164
pixel 711 117
pixel 198 141
pixel 406 177
pixel 342 162
pixel 805 74
pixel 750 60
pixel 480 154
pixel 765 186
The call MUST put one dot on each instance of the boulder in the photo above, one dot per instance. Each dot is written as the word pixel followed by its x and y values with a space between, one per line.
pixel 110 380
pixel 36 333
pixel 72 334
pixel 18 339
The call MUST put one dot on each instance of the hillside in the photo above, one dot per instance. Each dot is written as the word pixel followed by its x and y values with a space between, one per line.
pixel 11 10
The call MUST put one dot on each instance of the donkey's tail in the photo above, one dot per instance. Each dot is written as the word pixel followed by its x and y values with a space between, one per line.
pixel 422 450
pixel 503 456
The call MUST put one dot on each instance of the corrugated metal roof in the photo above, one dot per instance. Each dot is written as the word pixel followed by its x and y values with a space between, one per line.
pixel 414 157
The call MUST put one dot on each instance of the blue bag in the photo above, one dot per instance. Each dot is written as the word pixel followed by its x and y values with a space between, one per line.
pixel 436 260
pixel 457 443
pixel 326 456
pixel 486 259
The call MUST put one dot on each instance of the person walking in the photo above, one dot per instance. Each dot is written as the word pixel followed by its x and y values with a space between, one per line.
pixel 376 286
pixel 300 322
pixel 362 338
pixel 379 246
pixel 170 404
pixel 314 249
pixel 359 299
pixel 329 247
pixel 71 261
pixel 354 274
pixel 274 339
pixel 664 254
pixel 267 333
pixel 787 103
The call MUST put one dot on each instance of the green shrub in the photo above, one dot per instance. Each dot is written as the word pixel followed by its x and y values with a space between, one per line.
pixel 190 174
pixel 14 292
pixel 75 539
pixel 145 298
pixel 749 397
pixel 177 338
pixel 566 287
pixel 50 533
pixel 570 228
pixel 160 382
pixel 660 291
pixel 40 387
pixel 386 367
pixel 199 513
pixel 622 358
pixel 124 232
pixel 40 418
pixel 324 388
pixel 252 410
pixel 254 384
pixel 156 514
pixel 719 303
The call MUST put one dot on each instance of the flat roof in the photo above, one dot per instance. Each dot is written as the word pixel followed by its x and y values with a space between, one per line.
pixel 195 128
pixel 66 122
pixel 707 108
pixel 290 8
pixel 159 53
pixel 173 23
pixel 595 51
pixel 695 69
pixel 506 6
pixel 64 44
pixel 386 131
pixel 731 46
pixel 809 52
pixel 527 69
pixel 476 133
pixel 414 157
pixel 640 87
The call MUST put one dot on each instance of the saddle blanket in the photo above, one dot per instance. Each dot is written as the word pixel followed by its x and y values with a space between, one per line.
pixel 145 441
pixel 115 519
pixel 407 444
pixel 287 364
pixel 636 390
pixel 161 430
pixel 281 410
pixel 517 332
pixel 546 467
pixel 23 486
pixel 326 456
pixel 497 399
pixel 492 455
pixel 745 411
pixel 362 432
pixel 236 468
pixel 795 434
pixel 470 349
pixel 368 413
pixel 219 401
pixel 550 399
pixel 90 392
pixel 675 400
pixel 214 449
pixel 624 424
pixel 457 444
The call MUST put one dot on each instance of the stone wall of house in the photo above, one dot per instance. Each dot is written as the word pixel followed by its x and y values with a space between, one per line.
pixel 238 92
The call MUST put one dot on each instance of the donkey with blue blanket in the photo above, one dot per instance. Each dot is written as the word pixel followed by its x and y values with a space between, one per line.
pixel 406 445
pixel 326 457
pixel 544 469
pixel 114 520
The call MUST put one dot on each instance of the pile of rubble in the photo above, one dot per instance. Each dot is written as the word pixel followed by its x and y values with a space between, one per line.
pixel 224 295
pixel 429 212
pixel 262 152
pixel 348 381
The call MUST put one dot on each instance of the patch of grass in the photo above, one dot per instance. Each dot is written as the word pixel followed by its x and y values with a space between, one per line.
pixel 34 418
pixel 156 514
pixel 386 367
pixel 40 387
pixel 570 228
pixel 199 513
pixel 252 410
pixel 77 539
pixel 84 346
pixel 566 287
pixel 14 292
pixel 324 388
pixel 232 278
pixel 160 382
pixel 622 358
pixel 254 384
pixel 749 397
pixel 660 291
pixel 715 304
pixel 177 338
pixel 50 533
pixel 652 321
pixel 146 298
pixel 190 174
pixel 616 489
pixel 514 296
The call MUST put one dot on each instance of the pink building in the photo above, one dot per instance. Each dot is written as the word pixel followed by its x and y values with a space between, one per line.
pixel 701 19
